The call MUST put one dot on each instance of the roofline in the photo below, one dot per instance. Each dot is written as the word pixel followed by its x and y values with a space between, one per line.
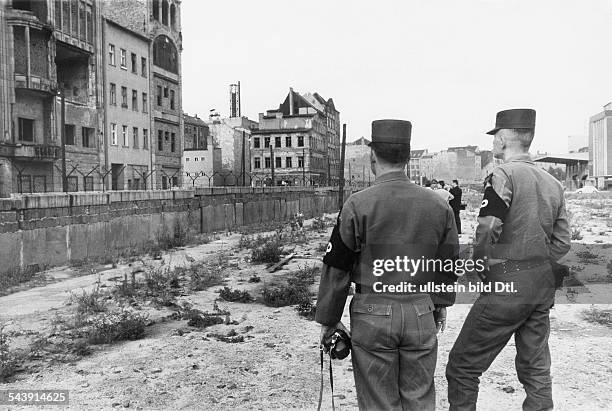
pixel 135 33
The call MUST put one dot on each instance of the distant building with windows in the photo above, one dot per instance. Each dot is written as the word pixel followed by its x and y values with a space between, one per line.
pixel 600 147
pixel 414 165
pixel 198 154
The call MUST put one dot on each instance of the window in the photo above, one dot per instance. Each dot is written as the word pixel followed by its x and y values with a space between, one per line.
pixel 113 94
pixel 160 140
pixel 173 143
pixel 266 142
pixel 278 162
pixel 135 136
pixel 165 92
pixel 145 138
pixel 114 134
pixel 26 129
pixel 288 162
pixel 186 159
pixel 196 159
pixel 165 54
pixel 134 100
pixel 256 142
pixel 300 141
pixel 267 162
pixel 124 133
pixel 134 64
pixel 288 141
pixel 69 134
pixel 87 135
pixel 301 161
pixel 88 183
pixel 145 103
pixel 124 97
pixel 143 66
pixel 73 183
pixel 257 162
pixel 123 59
pixel 171 99
pixel 277 142
pixel 111 54
pixel 159 96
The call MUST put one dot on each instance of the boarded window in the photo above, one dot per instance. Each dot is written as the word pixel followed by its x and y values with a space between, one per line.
pixel 26 129
pixel 69 133
pixel 88 137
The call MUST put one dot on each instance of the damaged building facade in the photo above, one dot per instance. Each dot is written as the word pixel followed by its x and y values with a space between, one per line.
pixel 116 135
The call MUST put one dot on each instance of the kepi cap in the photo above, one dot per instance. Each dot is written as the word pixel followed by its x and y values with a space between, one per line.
pixel 391 132
pixel 514 118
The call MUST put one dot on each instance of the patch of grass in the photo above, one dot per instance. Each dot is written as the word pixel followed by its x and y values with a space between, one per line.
pixel 307 309
pixel 597 316
pixel 576 235
pixel 609 268
pixel 9 362
pixel 283 295
pixel 179 236
pixel 17 276
pixel 587 256
pixel 118 326
pixel 89 303
pixel 241 296
pixel 255 279
pixel 202 319
pixel 268 252
pixel 203 276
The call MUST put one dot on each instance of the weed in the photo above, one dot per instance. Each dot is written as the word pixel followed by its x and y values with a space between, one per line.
pixel 231 337
pixel 120 326
pixel 586 256
pixel 202 276
pixel 268 252
pixel 8 361
pixel 319 224
pixel 283 295
pixel 609 268
pixel 89 303
pixel 576 235
pixel 235 295
pixel 597 316
pixel 322 247
pixel 17 276
pixel 307 309
pixel 255 279
pixel 303 277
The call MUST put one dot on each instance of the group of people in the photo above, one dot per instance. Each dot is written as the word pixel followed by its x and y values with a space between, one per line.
pixel 522 232
pixel 451 195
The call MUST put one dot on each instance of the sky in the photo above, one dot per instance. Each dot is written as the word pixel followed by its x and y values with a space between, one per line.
pixel 448 66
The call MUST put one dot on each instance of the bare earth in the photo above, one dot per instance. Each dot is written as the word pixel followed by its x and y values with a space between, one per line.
pixel 277 367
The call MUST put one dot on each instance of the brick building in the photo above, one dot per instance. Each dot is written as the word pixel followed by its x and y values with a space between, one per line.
pixel 198 154
pixel 292 141
pixel 48 47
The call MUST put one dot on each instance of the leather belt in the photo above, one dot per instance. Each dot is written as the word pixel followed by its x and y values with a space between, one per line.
pixel 511 266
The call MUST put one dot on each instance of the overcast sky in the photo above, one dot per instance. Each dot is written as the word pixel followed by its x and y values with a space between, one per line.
pixel 446 65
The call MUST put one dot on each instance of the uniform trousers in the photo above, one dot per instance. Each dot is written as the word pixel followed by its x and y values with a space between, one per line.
pixel 394 351
pixel 493 319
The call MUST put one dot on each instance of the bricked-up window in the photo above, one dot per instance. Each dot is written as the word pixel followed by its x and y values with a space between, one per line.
pixel 124 103
pixel 25 183
pixel 113 94
pixel 173 142
pixel 278 162
pixel 165 54
pixel 277 142
pixel 301 161
pixel 145 103
pixel 89 25
pixel 135 136
pixel 171 99
pixel 134 100
pixel 111 54
pixel 26 129
pixel 266 142
pixel 288 162
pixel 300 141
pixel 256 142
pixel 257 163
pixel 143 66
pixel 160 140
pixel 266 162
pixel 66 14
pixel 166 92
pixel 87 136
pixel 123 58
pixel 288 141
pixel 145 138
pixel 82 22
pixel 134 64
pixel 88 183
pixel 124 134
pixel 69 133
pixel 73 183
pixel 114 134
pixel 159 96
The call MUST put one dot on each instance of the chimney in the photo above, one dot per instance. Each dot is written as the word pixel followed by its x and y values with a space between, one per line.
pixel 290 101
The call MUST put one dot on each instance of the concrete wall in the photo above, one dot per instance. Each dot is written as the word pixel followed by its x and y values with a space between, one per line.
pixel 54 229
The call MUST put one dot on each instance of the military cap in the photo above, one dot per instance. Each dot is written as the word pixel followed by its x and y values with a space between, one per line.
pixel 515 118
pixel 391 131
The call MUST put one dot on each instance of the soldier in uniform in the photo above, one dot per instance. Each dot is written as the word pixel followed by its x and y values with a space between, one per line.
pixel 522 231
pixel 378 229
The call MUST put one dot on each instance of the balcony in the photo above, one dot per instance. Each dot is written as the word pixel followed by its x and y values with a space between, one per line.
pixel 35 83
pixel 38 152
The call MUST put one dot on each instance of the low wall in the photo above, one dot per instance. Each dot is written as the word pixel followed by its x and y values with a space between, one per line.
pixel 56 228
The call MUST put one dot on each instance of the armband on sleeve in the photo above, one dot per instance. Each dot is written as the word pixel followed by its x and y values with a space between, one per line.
pixel 493 205
pixel 337 254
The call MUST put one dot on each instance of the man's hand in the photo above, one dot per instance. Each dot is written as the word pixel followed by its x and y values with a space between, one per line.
pixel 327 330
pixel 440 318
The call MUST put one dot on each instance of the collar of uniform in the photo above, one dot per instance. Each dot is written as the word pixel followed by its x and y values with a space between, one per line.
pixel 520 157
pixel 390 176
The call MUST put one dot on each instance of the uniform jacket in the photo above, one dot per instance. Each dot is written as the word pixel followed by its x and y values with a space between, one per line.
pixel 522 215
pixel 455 203
pixel 394 217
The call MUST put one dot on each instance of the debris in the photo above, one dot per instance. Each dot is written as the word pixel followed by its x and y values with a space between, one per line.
pixel 508 389
pixel 156 370
pixel 281 263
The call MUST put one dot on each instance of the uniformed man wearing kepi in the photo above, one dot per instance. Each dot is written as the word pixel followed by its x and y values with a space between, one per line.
pixel 522 230
pixel 380 232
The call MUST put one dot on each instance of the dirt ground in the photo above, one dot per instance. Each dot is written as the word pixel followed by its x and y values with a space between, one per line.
pixel 277 366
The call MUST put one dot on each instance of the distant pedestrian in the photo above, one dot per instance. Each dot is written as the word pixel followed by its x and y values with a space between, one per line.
pixel 439 189
pixel 455 203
